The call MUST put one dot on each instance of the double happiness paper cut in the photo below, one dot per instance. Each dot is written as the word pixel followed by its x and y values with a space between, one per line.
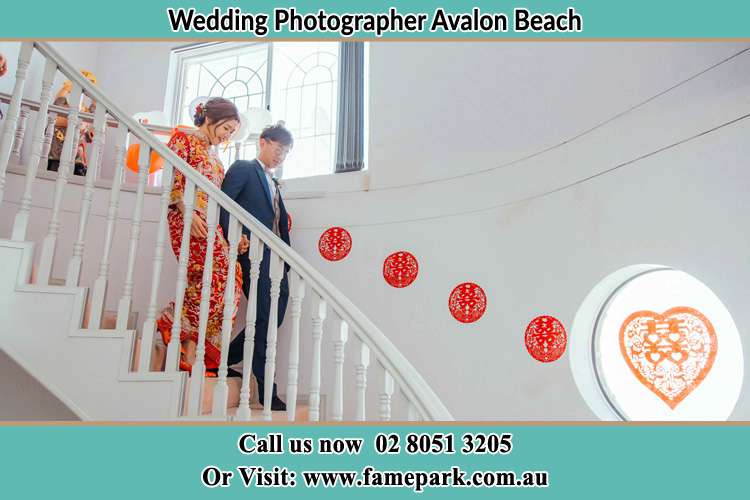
pixel 400 269
pixel 545 339
pixel 467 302
pixel 335 243
pixel 669 353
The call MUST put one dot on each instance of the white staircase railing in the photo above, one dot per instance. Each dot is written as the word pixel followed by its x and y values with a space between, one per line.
pixel 305 281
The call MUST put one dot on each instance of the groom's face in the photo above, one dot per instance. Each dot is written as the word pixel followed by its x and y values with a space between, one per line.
pixel 272 153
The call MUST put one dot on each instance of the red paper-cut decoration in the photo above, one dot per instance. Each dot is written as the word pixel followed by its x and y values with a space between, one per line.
pixel 400 269
pixel 288 222
pixel 335 243
pixel 669 353
pixel 545 339
pixel 467 302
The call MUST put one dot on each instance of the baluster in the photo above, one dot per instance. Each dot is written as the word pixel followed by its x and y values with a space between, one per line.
pixel 338 358
pixel 123 309
pixel 173 349
pixel 256 256
pixel 385 396
pixel 21 222
pixel 318 316
pixel 361 369
pixel 237 148
pixel 296 294
pixel 47 145
pixel 100 285
pixel 147 336
pixel 276 273
pixel 74 267
pixel 11 118
pixel 67 160
pixel 15 154
pixel 199 366
pixel 221 391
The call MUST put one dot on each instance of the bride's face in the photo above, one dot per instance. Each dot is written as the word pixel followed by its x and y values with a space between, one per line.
pixel 221 132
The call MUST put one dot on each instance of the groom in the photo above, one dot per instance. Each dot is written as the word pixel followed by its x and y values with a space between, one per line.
pixel 252 185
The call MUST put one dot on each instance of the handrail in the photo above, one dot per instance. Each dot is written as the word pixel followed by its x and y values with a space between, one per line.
pixel 407 377
pixel 82 115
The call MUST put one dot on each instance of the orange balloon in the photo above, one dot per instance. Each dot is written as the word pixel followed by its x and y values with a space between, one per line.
pixel 131 159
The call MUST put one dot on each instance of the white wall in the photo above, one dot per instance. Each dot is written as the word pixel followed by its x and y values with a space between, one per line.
pixel 439 110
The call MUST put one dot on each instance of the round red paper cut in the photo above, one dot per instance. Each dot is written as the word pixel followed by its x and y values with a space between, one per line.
pixel 467 302
pixel 400 269
pixel 335 243
pixel 288 222
pixel 545 339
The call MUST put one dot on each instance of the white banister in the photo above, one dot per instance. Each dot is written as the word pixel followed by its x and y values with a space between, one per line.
pixel 339 344
pixel 23 117
pixel 10 121
pixel 48 133
pixel 99 292
pixel 397 369
pixel 363 362
pixel 199 365
pixel 221 391
pixel 147 334
pixel 276 273
pixel 318 316
pixel 248 346
pixel 173 349
pixel 38 144
pixel 67 162
pixel 126 300
pixel 74 266
pixel 412 414
pixel 296 295
pixel 386 395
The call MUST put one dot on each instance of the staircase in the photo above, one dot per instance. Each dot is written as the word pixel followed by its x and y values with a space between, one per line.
pixel 89 337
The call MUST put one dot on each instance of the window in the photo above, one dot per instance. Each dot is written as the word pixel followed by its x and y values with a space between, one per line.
pixel 296 81
pixel 654 343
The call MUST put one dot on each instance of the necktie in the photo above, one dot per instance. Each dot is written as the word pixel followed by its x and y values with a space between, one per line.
pixel 276 209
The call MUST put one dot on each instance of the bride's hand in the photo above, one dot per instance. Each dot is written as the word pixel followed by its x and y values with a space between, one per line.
pixel 244 244
pixel 198 227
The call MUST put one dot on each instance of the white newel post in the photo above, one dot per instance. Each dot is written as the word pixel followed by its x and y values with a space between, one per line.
pixel 67 162
pixel 149 326
pixel 318 316
pixel 74 266
pixel 276 273
pixel 38 145
pixel 361 370
pixel 10 121
pixel 199 366
pixel 296 295
pixel 221 391
pixel 339 344
pixel 256 256
pixel 99 292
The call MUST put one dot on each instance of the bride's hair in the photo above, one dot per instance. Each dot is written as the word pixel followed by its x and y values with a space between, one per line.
pixel 217 110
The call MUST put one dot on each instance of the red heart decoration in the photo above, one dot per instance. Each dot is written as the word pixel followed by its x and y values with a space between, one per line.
pixel 670 353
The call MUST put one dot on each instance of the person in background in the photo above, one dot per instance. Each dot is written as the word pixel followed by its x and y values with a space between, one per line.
pixel 61 125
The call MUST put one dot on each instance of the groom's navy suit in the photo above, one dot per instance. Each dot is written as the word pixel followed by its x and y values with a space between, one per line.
pixel 246 183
